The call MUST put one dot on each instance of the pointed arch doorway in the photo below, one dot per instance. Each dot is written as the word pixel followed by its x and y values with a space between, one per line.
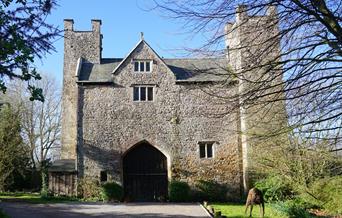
pixel 145 173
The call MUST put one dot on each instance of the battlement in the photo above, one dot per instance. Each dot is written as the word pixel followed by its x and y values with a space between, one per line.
pixel 242 17
pixel 252 37
pixel 68 25
pixel 246 26
pixel 95 23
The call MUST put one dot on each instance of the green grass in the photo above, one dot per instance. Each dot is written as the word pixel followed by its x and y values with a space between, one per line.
pixel 33 198
pixel 235 210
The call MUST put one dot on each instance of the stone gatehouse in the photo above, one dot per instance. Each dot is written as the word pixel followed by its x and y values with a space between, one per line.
pixel 144 120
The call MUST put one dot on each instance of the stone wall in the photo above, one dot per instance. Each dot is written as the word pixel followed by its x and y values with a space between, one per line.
pixel 102 122
pixel 253 46
pixel 77 44
pixel 180 116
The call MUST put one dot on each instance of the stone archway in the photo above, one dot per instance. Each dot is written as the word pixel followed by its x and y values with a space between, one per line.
pixel 145 173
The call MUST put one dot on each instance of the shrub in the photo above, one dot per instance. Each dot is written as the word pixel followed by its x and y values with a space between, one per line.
pixel 327 194
pixel 293 209
pixel 112 191
pixel 44 193
pixel 321 194
pixel 89 189
pixel 211 191
pixel 197 195
pixel 274 189
pixel 179 191
pixel 14 158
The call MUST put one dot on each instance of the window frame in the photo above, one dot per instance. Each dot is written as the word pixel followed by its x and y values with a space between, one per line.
pixel 206 144
pixel 147 87
pixel 144 64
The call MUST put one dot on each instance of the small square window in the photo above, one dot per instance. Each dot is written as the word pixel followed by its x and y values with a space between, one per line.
pixel 206 149
pixel 103 176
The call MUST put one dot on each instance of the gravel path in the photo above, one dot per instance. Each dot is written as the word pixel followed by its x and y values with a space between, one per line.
pixel 78 210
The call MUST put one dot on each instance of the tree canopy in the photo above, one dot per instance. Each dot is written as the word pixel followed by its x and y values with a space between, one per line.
pixel 24 35
pixel 13 154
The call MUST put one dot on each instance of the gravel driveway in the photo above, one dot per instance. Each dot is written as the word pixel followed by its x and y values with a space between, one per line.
pixel 75 210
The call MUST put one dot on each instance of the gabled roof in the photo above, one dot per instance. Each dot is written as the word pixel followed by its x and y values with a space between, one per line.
pixel 142 41
pixel 184 69
pixel 129 54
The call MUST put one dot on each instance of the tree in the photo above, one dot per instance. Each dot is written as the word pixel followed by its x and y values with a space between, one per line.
pixel 285 56
pixel 24 35
pixel 309 65
pixel 304 169
pixel 40 121
pixel 13 153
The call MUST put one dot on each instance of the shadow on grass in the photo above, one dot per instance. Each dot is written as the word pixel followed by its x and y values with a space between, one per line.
pixel 19 194
pixel 34 198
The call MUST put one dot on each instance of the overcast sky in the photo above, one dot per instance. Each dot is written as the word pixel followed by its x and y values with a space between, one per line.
pixel 122 22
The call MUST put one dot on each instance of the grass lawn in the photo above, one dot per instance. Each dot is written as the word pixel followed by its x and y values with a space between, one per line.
pixel 32 198
pixel 235 210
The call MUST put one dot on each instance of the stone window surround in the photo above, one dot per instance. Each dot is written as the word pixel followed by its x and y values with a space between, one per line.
pixel 206 143
pixel 146 96
pixel 140 61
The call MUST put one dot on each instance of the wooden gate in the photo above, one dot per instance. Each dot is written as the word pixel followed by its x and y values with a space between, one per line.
pixel 145 174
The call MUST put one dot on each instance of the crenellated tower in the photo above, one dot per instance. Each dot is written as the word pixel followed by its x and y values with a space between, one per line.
pixel 79 46
pixel 253 46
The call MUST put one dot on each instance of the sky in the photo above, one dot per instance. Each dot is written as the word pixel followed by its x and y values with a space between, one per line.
pixel 122 22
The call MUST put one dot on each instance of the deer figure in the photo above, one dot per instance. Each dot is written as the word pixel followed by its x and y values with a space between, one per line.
pixel 255 197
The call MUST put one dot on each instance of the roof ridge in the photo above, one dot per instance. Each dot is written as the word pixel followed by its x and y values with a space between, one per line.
pixel 111 58
pixel 126 57
pixel 196 58
pixel 142 41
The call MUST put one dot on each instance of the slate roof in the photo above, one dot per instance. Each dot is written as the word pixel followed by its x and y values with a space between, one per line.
pixel 65 165
pixel 99 72
pixel 199 69
pixel 185 70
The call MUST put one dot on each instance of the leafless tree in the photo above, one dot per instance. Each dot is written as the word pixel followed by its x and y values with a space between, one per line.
pixel 40 121
pixel 307 72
